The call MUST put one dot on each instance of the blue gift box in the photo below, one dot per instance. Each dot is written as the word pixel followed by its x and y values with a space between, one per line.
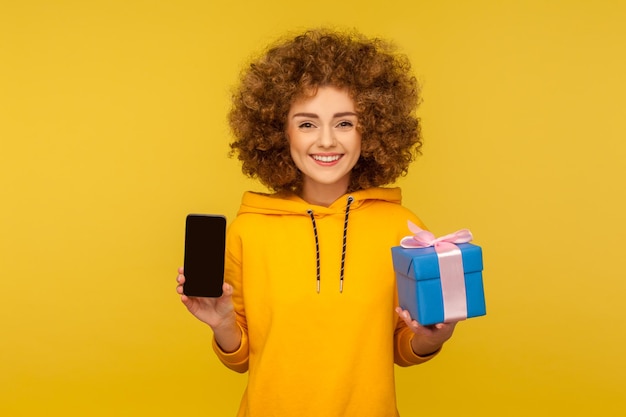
pixel 419 284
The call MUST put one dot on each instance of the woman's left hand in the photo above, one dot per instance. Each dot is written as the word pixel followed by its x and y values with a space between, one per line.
pixel 428 339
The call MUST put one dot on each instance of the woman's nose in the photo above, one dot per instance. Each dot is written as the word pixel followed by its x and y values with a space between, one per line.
pixel 327 138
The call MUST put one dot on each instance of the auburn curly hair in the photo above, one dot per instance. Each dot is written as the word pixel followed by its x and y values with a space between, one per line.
pixel 377 78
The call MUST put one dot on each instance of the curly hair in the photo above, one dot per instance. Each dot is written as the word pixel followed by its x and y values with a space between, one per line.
pixel 377 78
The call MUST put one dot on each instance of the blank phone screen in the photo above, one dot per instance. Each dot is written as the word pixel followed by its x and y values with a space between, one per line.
pixel 205 238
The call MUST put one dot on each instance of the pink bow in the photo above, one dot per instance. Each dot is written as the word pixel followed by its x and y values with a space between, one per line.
pixel 450 267
pixel 423 238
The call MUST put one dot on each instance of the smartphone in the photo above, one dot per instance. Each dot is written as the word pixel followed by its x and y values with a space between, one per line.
pixel 205 242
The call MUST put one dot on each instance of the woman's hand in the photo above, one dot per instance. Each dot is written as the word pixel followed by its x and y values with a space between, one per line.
pixel 219 313
pixel 428 339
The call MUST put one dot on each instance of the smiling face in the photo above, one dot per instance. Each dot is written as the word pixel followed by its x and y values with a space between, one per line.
pixel 324 142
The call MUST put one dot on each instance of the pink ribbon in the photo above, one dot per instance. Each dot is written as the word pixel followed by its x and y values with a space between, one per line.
pixel 450 267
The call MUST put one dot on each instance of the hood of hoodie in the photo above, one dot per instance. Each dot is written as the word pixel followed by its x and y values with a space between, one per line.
pixel 289 204
pixel 286 204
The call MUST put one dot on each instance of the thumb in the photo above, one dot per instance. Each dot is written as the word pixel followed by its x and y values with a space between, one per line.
pixel 224 303
pixel 227 290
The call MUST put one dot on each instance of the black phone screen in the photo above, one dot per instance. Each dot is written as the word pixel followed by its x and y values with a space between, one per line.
pixel 205 240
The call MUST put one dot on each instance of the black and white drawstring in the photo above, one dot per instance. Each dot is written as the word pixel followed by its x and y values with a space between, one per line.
pixel 317 247
pixel 343 247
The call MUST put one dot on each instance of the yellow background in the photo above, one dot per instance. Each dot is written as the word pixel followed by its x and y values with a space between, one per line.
pixel 112 129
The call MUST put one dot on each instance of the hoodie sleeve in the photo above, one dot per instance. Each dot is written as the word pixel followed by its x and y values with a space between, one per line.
pixel 237 360
pixel 403 352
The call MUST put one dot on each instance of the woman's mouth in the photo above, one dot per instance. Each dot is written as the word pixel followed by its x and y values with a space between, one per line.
pixel 326 158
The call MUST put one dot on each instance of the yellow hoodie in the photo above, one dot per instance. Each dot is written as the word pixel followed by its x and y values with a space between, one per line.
pixel 309 353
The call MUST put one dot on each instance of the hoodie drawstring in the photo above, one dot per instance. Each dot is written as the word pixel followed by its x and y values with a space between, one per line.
pixel 317 247
pixel 343 247
pixel 345 234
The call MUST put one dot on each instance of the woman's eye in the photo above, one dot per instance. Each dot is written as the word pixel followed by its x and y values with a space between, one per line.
pixel 345 123
pixel 306 125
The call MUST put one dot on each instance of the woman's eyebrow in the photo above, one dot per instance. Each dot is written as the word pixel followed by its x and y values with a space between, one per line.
pixel 344 114
pixel 309 115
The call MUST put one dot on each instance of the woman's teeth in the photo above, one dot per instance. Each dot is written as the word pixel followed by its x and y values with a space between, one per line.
pixel 326 158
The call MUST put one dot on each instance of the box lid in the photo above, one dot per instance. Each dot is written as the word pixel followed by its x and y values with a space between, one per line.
pixel 421 263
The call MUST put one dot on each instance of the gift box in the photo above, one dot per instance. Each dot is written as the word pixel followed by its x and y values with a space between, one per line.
pixel 431 297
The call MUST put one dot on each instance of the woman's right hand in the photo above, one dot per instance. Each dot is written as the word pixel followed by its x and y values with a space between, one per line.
pixel 219 313
pixel 216 312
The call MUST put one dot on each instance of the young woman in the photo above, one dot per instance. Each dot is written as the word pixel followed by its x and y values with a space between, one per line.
pixel 309 307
